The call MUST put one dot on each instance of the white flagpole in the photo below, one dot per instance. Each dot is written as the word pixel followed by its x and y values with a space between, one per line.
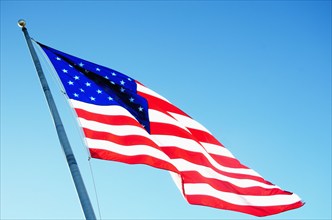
pixel 73 167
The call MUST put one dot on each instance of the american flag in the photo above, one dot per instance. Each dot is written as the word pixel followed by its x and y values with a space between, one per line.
pixel 124 121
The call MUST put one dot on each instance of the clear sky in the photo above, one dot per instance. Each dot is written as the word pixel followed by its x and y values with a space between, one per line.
pixel 257 74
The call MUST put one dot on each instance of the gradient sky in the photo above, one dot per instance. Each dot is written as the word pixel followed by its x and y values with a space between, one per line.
pixel 257 74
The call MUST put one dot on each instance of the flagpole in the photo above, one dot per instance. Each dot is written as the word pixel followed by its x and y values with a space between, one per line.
pixel 73 166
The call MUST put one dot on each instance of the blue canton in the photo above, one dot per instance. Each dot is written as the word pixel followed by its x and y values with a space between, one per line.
pixel 92 83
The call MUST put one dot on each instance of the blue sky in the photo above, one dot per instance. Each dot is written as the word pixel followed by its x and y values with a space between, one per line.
pixel 257 74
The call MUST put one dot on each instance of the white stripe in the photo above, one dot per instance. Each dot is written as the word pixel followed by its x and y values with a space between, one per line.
pixel 112 110
pixel 132 150
pixel 270 200
pixel 143 89
pixel 189 122
pixel 216 149
pixel 120 130
pixel 183 165
pixel 191 145
pixel 157 116
pixel 178 181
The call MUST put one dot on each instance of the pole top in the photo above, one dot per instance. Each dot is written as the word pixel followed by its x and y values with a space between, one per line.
pixel 21 23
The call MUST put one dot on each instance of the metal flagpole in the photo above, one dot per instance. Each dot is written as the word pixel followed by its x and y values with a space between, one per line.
pixel 74 170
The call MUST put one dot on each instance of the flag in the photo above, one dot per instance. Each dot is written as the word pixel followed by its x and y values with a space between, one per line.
pixel 123 120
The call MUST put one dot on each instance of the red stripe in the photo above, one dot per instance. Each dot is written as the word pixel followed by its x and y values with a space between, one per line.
pixel 159 128
pixel 127 140
pixel 259 211
pixel 107 119
pixel 224 186
pixel 204 136
pixel 138 159
pixel 161 105
pixel 228 161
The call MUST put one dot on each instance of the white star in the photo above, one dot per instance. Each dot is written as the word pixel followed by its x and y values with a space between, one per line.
pixel 58 58
pixel 113 74
pixel 122 82
pixel 106 77
pixel 76 77
pixel 92 98
pixel 110 98
pixel 76 95
pixel 82 90
pixel 99 91
pixel 97 69
pixel 88 84
pixel 70 66
pixel 70 83
pixel 122 89
pixel 112 82
pixel 140 109
pixel 129 79
pixel 81 64
pixel 131 99
pixel 65 71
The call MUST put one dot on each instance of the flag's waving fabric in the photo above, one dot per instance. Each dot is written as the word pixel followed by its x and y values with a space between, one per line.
pixel 122 120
